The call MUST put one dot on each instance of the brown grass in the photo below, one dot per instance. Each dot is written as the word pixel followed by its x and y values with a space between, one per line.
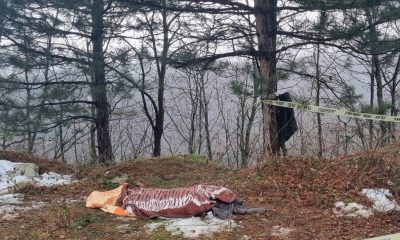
pixel 298 193
pixel 45 165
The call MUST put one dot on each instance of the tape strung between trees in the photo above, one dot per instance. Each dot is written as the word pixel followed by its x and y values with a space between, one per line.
pixel 334 111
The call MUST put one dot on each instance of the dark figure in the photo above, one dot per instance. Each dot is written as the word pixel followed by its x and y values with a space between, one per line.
pixel 287 124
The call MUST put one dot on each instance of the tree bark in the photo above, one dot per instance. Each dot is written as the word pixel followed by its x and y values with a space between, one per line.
pixel 317 101
pixel 195 102
pixel 161 63
pixel 376 72
pixel 61 137
pixel 100 87
pixel 393 109
pixel 205 113
pixel 28 113
pixel 92 138
pixel 371 105
pixel 251 118
pixel 266 24
pixel 376 69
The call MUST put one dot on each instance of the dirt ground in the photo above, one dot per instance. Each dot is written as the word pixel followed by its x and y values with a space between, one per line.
pixel 298 193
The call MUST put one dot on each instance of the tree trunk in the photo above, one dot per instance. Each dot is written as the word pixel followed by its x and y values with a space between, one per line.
pixel 360 133
pixel 158 132
pixel 241 122
pixel 61 136
pixel 38 121
pixel 195 101
pixel 161 70
pixel 371 105
pixel 205 113
pixel 100 86
pixel 317 101
pixel 4 131
pixel 92 129
pixel 338 138
pixel 376 72
pixel 200 122
pixel 266 23
pixel 251 118
pixel 28 117
pixel 379 94
pixel 393 110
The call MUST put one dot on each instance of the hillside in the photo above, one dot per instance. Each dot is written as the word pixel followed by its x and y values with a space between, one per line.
pixel 298 193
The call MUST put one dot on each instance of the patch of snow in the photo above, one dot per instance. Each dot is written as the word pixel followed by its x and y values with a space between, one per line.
pixel 21 179
pixel 11 199
pixel 245 237
pixel 6 166
pixel 390 183
pixel 52 178
pixel 151 227
pixel 195 226
pixel 12 211
pixel 4 185
pixel 281 231
pixel 11 205
pixel 123 227
pixel 8 180
pixel 380 198
pixel 69 201
pixel 125 219
pixel 352 210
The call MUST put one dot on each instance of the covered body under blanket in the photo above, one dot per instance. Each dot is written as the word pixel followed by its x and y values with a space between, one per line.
pixel 176 202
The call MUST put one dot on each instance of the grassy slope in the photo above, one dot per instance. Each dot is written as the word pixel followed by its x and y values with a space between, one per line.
pixel 297 193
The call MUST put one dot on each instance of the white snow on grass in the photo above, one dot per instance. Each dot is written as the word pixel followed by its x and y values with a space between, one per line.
pixel 11 205
pixel 281 231
pixel 6 166
pixel 52 178
pixel 380 198
pixel 193 227
pixel 8 180
pixel 352 210
pixel 11 199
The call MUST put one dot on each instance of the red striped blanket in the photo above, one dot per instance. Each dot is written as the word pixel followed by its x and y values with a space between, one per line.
pixel 177 202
